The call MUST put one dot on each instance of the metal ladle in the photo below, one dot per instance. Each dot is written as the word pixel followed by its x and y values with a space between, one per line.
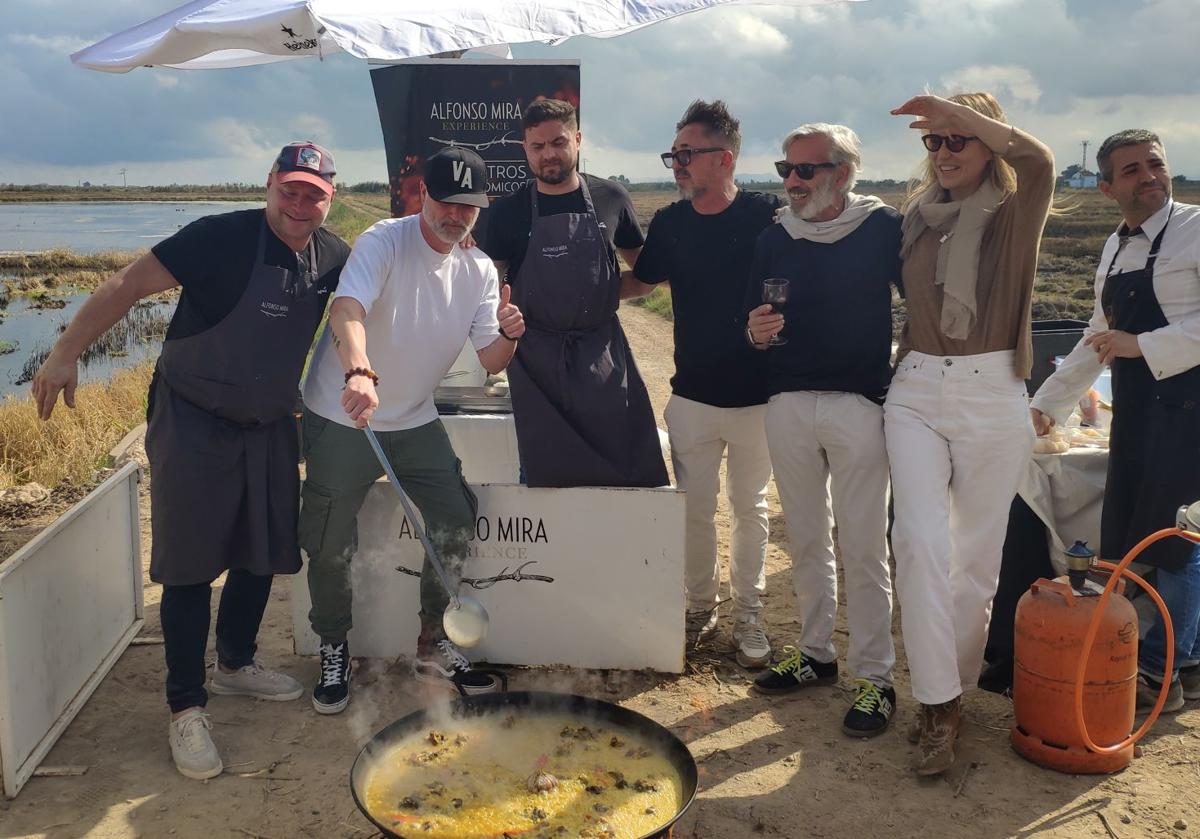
pixel 465 620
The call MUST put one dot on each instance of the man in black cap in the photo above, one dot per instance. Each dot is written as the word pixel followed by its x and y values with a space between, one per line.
pixel 220 437
pixel 409 298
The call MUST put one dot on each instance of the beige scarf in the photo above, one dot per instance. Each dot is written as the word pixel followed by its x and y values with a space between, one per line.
pixel 858 208
pixel 961 224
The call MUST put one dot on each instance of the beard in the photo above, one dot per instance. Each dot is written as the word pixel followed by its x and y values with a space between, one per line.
pixel 447 231
pixel 688 190
pixel 817 202
pixel 556 177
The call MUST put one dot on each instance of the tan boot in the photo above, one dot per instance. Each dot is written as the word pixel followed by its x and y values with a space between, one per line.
pixel 915 730
pixel 939 729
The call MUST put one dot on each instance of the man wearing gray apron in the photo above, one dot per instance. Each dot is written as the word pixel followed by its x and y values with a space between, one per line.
pixel 1147 327
pixel 221 438
pixel 583 416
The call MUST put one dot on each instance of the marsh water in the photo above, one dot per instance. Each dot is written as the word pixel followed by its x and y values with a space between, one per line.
pixel 91 227
pixel 29 327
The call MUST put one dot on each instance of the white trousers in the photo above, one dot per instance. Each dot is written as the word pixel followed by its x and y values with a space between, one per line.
pixel 831 465
pixel 700 435
pixel 958 438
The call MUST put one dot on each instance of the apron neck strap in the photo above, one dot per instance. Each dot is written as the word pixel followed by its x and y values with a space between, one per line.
pixel 583 187
pixel 1152 257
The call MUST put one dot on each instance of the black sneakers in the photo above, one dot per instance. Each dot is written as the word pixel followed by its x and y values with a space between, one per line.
pixel 796 671
pixel 871 711
pixel 332 693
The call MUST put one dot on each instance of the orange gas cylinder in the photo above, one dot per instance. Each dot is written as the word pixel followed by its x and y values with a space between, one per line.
pixel 1051 623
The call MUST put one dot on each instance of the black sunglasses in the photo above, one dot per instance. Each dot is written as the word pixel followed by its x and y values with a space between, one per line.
pixel 684 156
pixel 804 171
pixel 955 142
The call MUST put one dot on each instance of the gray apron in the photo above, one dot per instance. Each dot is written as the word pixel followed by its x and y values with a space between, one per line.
pixel 1154 453
pixel 582 413
pixel 221 438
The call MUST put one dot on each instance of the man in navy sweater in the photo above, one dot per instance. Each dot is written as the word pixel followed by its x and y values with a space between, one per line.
pixel 839 253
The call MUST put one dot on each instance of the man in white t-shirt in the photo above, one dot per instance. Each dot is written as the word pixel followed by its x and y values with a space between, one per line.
pixel 408 298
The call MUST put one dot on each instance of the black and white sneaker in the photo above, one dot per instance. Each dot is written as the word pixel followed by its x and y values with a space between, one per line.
pixel 332 693
pixel 442 663
pixel 794 672
pixel 871 711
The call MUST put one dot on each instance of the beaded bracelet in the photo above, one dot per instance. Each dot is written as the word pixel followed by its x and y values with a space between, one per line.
pixel 362 371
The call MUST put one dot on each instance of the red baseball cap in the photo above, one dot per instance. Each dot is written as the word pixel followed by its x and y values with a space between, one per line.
pixel 308 162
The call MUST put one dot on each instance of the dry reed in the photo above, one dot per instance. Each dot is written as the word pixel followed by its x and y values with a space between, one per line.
pixel 73 443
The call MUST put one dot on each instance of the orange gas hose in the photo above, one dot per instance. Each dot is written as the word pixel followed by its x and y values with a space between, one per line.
pixel 1120 570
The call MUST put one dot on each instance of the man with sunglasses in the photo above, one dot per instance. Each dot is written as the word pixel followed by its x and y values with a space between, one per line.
pixel 255 284
pixel 583 416
pixel 702 246
pixel 839 253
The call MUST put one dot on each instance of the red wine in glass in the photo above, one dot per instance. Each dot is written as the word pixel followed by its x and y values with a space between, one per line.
pixel 775 292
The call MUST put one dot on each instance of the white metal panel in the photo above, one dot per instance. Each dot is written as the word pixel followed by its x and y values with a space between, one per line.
pixel 487 446
pixel 70 602
pixel 616 557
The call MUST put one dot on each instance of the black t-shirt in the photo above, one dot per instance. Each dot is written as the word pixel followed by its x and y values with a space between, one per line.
pixel 510 218
pixel 706 259
pixel 838 315
pixel 212 259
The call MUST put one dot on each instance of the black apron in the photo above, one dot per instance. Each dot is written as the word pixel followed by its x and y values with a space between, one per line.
pixel 1154 448
pixel 221 438
pixel 582 412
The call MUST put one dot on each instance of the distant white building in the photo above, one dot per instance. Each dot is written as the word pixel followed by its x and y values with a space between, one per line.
pixel 1083 179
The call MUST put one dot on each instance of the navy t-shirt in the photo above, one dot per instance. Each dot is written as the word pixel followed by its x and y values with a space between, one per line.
pixel 212 259
pixel 706 259
pixel 510 218
pixel 838 315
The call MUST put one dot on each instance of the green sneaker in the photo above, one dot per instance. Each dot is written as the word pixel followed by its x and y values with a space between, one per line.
pixel 794 672
pixel 871 711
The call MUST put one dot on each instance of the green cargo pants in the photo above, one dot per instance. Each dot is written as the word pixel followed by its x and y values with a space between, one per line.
pixel 340 468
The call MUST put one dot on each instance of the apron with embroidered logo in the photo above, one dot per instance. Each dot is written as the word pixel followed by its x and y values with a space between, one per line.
pixel 582 413
pixel 221 437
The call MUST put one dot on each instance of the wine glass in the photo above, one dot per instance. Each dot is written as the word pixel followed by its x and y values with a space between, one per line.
pixel 775 292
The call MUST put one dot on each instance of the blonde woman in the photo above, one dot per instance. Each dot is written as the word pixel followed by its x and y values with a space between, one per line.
pixel 956 417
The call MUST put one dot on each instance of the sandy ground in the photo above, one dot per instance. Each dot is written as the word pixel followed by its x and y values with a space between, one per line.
pixel 775 767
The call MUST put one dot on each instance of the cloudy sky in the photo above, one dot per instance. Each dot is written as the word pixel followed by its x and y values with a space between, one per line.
pixel 1067 70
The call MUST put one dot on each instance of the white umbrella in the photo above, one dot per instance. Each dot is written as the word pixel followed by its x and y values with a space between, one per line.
pixel 207 34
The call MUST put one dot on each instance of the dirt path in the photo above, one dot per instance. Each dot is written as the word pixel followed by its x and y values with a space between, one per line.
pixel 775 767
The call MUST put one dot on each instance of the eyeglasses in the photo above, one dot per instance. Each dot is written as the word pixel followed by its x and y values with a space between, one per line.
pixel 684 156
pixel 804 171
pixel 954 143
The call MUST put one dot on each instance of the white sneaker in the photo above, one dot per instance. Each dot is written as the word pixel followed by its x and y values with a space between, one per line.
pixel 753 648
pixel 699 625
pixel 257 681
pixel 192 747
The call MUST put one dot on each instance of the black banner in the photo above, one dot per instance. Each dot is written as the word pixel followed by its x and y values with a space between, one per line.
pixel 428 106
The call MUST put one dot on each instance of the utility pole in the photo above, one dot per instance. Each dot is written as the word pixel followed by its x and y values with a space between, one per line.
pixel 1084 168
pixel 123 184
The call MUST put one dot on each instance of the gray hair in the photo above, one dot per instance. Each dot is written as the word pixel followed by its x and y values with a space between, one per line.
pixel 843 146
pixel 1128 137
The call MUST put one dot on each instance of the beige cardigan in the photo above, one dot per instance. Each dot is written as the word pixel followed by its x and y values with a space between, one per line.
pixel 1008 260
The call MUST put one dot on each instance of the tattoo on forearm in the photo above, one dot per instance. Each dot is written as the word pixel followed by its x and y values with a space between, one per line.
pixel 337 342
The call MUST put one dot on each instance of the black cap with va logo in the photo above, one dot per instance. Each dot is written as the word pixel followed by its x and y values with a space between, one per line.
pixel 457 176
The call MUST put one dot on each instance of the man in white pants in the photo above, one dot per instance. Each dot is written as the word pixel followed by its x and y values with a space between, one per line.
pixel 840 254
pixel 703 245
